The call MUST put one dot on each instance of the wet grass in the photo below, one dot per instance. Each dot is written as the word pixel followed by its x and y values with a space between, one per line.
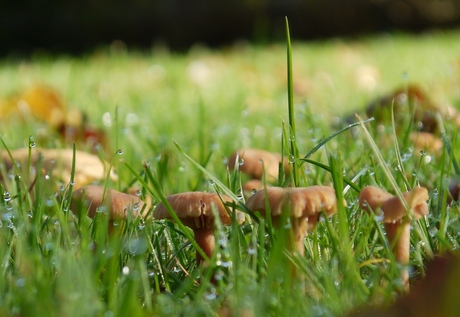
pixel 177 118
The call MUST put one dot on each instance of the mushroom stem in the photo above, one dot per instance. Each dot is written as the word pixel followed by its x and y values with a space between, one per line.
pixel 299 230
pixel 398 235
pixel 205 239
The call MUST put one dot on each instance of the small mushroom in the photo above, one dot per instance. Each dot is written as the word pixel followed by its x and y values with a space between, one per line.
pixel 195 210
pixel 250 162
pixel 424 141
pixel 115 204
pixel 303 205
pixel 396 218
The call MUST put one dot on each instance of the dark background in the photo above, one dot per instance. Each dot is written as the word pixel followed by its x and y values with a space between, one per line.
pixel 74 27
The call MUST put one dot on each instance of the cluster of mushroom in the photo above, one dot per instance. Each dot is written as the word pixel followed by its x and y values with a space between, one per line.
pixel 300 207
pixel 397 216
pixel 304 205
pixel 197 210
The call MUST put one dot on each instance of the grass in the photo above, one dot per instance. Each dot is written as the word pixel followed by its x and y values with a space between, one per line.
pixel 177 118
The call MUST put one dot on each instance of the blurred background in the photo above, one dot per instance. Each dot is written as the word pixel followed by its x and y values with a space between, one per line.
pixel 78 26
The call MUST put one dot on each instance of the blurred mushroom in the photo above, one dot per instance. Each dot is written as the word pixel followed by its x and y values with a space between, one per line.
pixel 405 102
pixel 88 167
pixel 116 204
pixel 93 199
pixel 409 103
pixel 424 141
pixel 195 210
pixel 397 218
pixel 303 206
pixel 249 161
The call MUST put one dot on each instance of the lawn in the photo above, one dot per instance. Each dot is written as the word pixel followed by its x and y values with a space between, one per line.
pixel 171 122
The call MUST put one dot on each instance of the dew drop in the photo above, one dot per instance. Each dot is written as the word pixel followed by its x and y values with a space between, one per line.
pixel 6 196
pixel 101 209
pixel 211 295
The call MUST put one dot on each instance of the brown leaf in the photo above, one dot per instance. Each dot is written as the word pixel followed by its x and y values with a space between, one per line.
pixel 88 167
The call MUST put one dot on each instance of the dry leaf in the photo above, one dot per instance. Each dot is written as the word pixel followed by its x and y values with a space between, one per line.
pixel 88 167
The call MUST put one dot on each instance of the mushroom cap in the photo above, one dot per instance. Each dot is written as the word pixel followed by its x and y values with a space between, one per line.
pixel 118 204
pixel 426 141
pixel 373 197
pixel 300 201
pixel 252 163
pixel 88 167
pixel 393 208
pixel 195 209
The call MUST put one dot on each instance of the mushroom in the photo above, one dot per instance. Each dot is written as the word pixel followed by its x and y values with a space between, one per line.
pixel 117 205
pixel 397 218
pixel 195 210
pixel 426 141
pixel 252 160
pixel 302 204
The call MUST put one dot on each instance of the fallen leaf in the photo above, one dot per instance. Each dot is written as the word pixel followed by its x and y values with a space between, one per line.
pixel 88 167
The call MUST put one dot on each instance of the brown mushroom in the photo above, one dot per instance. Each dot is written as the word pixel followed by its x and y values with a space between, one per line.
pixel 397 218
pixel 253 162
pixel 117 205
pixel 195 210
pixel 303 205
pixel 424 141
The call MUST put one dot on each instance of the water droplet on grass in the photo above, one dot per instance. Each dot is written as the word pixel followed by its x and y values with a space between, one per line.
pixel 212 295
pixel 102 209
